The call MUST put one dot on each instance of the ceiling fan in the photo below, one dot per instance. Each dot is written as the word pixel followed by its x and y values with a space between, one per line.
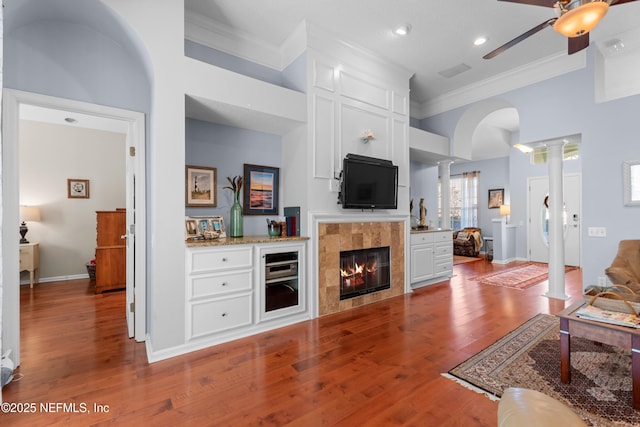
pixel 575 19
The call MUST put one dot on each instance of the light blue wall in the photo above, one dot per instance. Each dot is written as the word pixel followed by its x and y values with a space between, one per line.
pixel 72 61
pixel 292 77
pixel 227 149
pixel 494 174
pixel 564 106
pixel 424 184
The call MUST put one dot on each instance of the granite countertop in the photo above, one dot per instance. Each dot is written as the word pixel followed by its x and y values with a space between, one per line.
pixel 429 230
pixel 245 240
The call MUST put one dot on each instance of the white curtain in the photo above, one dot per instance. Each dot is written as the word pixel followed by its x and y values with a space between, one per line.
pixel 464 200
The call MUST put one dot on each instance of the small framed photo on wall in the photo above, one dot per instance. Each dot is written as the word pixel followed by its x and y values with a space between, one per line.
pixel 200 183
pixel 496 198
pixel 77 188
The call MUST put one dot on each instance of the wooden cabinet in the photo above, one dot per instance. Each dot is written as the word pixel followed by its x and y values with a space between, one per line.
pixel 431 257
pixel 30 260
pixel 111 250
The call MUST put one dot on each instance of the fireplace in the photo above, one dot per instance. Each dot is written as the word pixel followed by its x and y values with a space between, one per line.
pixel 364 271
pixel 337 237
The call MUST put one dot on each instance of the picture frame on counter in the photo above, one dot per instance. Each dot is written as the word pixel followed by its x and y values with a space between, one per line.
pixel 204 228
pixel 260 190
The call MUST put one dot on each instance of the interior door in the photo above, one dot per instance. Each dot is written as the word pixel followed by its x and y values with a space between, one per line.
pixel 538 224
pixel 130 237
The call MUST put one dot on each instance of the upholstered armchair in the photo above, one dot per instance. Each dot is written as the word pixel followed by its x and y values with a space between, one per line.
pixel 467 242
pixel 625 268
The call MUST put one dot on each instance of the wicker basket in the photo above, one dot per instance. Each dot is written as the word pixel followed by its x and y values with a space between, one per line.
pixel 614 298
pixel 91 269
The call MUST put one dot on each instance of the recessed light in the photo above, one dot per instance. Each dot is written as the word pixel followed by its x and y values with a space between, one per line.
pixel 402 30
pixel 70 120
pixel 480 41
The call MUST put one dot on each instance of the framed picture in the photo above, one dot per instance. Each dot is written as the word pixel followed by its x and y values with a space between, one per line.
pixel 260 190
pixel 200 185
pixel 77 188
pixel 496 198
pixel 204 228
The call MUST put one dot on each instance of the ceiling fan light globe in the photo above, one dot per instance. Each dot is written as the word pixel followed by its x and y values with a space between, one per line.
pixel 582 19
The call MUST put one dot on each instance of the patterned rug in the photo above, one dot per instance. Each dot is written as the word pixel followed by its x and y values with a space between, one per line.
pixel 529 357
pixel 520 277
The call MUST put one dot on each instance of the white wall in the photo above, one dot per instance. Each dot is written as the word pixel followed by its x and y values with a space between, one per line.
pixel 49 155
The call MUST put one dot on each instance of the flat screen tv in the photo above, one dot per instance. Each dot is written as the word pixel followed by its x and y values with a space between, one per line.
pixel 368 183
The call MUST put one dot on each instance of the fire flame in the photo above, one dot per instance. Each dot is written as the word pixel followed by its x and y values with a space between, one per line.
pixel 356 272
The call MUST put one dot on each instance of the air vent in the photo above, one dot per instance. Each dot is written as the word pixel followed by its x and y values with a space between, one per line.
pixel 454 71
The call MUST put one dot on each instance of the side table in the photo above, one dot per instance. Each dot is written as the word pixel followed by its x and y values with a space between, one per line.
pixel 30 261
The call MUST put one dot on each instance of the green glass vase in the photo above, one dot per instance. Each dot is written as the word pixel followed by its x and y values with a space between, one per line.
pixel 235 218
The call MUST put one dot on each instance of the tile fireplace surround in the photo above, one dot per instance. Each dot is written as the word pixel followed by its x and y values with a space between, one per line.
pixel 336 237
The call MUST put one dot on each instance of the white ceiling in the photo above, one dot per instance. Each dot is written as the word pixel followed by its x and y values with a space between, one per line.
pixel 441 36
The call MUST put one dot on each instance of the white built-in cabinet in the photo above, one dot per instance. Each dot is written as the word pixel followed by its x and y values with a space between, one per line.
pixel 431 256
pixel 227 291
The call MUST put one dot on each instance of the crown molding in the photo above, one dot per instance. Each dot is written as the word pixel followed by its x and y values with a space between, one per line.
pixel 546 68
pixel 215 35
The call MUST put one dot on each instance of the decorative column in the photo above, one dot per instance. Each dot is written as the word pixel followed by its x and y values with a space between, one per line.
pixel 556 223
pixel 444 169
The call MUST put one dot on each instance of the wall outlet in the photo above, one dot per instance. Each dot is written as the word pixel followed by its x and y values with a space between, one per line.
pixel 597 232
pixel 602 281
pixel 334 185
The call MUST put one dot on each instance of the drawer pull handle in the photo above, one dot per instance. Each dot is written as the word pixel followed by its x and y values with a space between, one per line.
pixel 224 314
pixel 223 284
pixel 224 260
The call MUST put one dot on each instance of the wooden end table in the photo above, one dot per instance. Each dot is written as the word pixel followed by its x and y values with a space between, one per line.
pixel 619 336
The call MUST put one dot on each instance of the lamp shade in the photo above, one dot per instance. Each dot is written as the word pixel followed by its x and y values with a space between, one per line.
pixel 581 19
pixel 505 209
pixel 29 213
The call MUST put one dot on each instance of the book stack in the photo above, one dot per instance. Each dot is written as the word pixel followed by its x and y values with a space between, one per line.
pixel 607 316
pixel 292 218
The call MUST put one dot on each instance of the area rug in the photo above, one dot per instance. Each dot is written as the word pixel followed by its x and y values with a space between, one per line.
pixel 520 277
pixel 529 357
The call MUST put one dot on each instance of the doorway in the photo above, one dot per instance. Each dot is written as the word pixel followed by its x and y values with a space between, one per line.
pixel 135 236
pixel 538 221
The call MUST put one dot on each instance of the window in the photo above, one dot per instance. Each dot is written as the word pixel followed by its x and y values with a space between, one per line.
pixel 463 200
pixel 539 156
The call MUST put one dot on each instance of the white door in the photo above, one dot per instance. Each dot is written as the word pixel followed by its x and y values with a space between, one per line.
pixel 538 224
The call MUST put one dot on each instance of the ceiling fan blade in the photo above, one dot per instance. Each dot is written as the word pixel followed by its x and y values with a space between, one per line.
pixel 520 38
pixel 545 3
pixel 576 44
pixel 614 2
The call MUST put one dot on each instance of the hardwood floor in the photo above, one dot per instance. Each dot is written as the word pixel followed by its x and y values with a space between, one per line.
pixel 376 365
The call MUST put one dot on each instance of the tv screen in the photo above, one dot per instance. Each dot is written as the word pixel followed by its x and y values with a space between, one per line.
pixel 369 183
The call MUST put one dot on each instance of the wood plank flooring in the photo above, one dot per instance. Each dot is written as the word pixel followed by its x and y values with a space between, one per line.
pixel 376 365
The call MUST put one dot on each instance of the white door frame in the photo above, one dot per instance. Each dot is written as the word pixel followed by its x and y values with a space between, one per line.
pixel 12 99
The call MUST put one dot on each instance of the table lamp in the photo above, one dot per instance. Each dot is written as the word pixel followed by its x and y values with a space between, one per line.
pixel 27 213
pixel 505 210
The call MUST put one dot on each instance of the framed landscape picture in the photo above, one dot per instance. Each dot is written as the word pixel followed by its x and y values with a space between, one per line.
pixel 200 185
pixel 496 198
pixel 260 190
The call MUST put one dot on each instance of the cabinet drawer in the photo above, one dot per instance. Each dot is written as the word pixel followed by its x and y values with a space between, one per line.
pixel 444 249
pixel 219 259
pixel 420 238
pixel 443 268
pixel 443 236
pixel 220 284
pixel 219 315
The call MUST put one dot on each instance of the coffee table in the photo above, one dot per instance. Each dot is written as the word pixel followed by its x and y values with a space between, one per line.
pixel 619 336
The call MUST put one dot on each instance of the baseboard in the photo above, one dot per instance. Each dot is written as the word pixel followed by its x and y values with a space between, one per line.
pixel 57 279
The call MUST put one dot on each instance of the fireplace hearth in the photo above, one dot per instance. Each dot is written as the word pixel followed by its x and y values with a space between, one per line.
pixel 364 271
